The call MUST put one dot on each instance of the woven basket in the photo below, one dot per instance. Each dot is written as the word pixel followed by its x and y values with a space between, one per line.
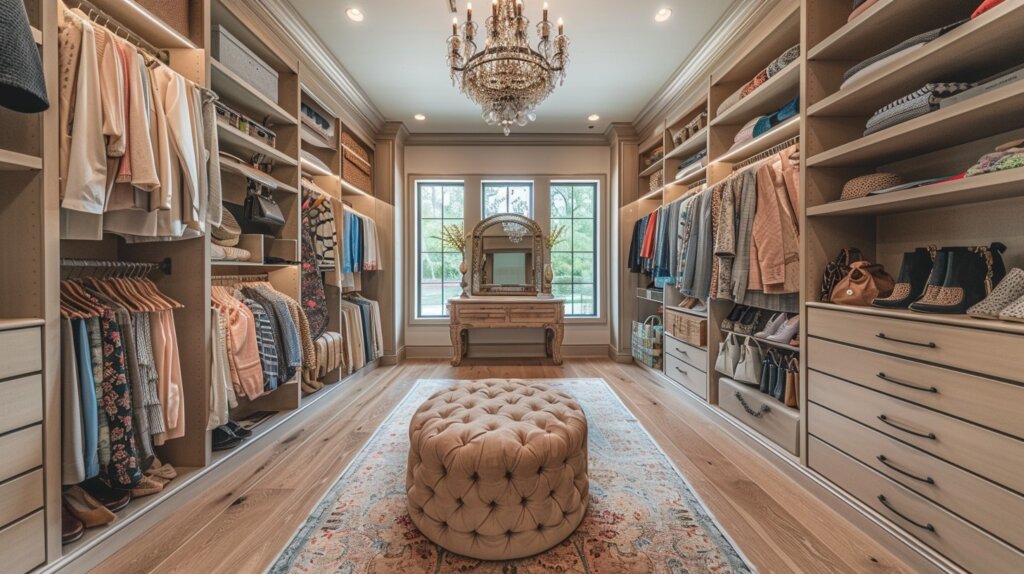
pixel 174 13
pixel 646 341
pixel 657 180
pixel 356 167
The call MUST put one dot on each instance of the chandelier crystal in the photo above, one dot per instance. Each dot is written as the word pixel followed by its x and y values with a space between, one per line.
pixel 508 78
pixel 514 231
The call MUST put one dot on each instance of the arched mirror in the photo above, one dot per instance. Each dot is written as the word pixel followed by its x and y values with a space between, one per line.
pixel 508 256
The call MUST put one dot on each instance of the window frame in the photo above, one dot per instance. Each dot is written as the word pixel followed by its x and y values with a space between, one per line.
pixel 418 245
pixel 598 314
pixel 507 183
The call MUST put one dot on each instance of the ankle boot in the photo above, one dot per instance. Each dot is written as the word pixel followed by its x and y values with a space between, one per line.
pixel 914 272
pixel 936 278
pixel 970 274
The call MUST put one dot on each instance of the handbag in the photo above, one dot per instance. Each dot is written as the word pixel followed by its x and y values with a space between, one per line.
pixel 260 207
pixel 748 369
pixel 767 372
pixel 781 380
pixel 864 283
pixel 836 270
pixel 792 395
pixel 728 356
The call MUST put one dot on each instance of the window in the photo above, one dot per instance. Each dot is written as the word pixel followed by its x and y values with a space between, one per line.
pixel 438 277
pixel 573 258
pixel 508 197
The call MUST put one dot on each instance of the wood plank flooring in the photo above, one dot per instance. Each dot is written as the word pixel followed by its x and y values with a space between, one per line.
pixel 240 526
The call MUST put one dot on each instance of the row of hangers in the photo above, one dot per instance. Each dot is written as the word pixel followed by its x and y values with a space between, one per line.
pixel 136 294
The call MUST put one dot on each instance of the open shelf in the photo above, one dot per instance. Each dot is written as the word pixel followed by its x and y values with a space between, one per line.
pixel 987 187
pixel 655 194
pixel 246 171
pixel 20 323
pixel 349 187
pixel 141 21
pixel 690 177
pixel 778 345
pixel 767 98
pixel 655 168
pixel 14 161
pixel 976 45
pixel 236 90
pixel 780 133
pixel 37 35
pixel 988 114
pixel 691 146
pixel 232 137
pixel 702 314
pixel 907 314
pixel 881 26
pixel 267 266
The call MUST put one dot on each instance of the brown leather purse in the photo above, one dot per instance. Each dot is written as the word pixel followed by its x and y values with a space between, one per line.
pixel 836 270
pixel 864 283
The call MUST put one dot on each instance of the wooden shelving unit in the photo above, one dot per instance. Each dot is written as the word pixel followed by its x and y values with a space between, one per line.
pixel 15 161
pixel 232 87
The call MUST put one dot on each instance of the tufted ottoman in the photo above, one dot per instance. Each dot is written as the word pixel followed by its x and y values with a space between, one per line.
pixel 498 469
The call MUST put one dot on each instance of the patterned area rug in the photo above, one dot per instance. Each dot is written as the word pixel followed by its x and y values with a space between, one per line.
pixel 643 516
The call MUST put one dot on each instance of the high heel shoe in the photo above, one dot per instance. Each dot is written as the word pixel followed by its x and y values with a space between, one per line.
pixel 787 331
pixel 773 325
pixel 1006 293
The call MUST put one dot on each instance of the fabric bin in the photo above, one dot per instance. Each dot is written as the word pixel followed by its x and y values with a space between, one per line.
pixel 236 57
pixel 647 341
pixel 174 13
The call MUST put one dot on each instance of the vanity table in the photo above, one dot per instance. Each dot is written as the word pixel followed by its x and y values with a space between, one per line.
pixel 507 313
pixel 508 288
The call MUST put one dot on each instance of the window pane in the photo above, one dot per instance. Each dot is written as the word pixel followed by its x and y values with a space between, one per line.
pixel 438 275
pixel 561 267
pixel 430 267
pixel 519 201
pixel 563 291
pixel 430 300
pixel 430 201
pixel 451 291
pixel 495 200
pixel 583 300
pixel 583 201
pixel 573 259
pixel 454 203
pixel 561 202
pixel 430 233
pixel 583 267
pixel 583 235
pixel 565 241
pixel 503 197
pixel 451 268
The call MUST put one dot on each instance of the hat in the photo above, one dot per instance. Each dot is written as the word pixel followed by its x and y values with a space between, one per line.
pixel 228 232
pixel 22 85
pixel 861 186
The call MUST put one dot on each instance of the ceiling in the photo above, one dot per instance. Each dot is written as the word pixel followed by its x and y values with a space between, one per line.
pixel 619 57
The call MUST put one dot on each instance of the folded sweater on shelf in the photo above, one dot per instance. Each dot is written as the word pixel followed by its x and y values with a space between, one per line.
pixel 913 105
pixel 896 52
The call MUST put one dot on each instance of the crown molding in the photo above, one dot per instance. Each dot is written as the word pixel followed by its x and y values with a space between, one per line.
pixel 689 81
pixel 516 139
pixel 316 56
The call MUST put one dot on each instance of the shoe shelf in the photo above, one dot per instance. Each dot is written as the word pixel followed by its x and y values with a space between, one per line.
pixel 768 342
pixel 907 314
pixel 978 46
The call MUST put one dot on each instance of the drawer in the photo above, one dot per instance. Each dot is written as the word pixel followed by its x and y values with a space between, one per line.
pixel 976 350
pixel 23 544
pixel 687 353
pixel 992 455
pixel 987 402
pixel 20 352
pixel 687 375
pixel 779 424
pixel 21 402
pixel 983 503
pixel 959 541
pixel 22 451
pixel 483 313
pixel 20 496
pixel 539 314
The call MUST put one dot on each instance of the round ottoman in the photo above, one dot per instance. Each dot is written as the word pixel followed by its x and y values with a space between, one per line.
pixel 498 469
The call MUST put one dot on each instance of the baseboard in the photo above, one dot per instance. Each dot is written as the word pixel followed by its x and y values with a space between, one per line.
pixel 914 553
pixel 504 351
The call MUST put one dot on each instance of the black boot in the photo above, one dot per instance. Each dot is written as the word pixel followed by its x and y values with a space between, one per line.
pixel 970 274
pixel 914 272
pixel 936 279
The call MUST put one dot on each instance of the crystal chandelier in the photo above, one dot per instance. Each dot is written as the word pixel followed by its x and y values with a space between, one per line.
pixel 514 231
pixel 508 78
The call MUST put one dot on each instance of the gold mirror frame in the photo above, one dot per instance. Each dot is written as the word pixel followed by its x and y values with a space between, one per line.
pixel 479 289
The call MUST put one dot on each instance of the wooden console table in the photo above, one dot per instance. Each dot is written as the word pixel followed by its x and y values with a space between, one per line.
pixel 507 313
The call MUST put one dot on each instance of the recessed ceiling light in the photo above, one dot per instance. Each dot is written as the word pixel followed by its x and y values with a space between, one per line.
pixel 663 14
pixel 420 117
pixel 593 117
pixel 355 14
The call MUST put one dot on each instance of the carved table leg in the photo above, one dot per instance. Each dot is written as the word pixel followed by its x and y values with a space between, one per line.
pixel 557 333
pixel 457 352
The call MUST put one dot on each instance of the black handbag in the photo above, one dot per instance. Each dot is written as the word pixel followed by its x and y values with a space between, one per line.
pixel 260 206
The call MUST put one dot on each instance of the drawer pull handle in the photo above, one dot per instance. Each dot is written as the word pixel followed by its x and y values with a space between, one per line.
pixel 885 419
pixel 882 459
pixel 884 337
pixel 885 502
pixel 889 379
pixel 756 414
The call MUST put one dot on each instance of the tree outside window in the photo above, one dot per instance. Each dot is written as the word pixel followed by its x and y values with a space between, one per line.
pixel 573 258
pixel 438 276
pixel 508 197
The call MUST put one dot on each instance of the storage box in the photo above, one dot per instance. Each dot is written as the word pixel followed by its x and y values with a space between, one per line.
pixel 687 328
pixel 356 167
pixel 174 13
pixel 236 57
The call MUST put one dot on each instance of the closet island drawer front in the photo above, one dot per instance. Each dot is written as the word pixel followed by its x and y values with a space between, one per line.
pixel 23 544
pixel 777 422
pixel 987 402
pixel 959 541
pixel 22 451
pixel 987 505
pixel 687 353
pixel 687 375
pixel 977 350
pixel 992 455
pixel 496 314
pixel 20 496
pixel 20 352
pixel 21 402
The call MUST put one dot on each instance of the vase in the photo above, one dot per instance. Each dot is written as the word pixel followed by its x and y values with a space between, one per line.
pixel 549 275
pixel 463 269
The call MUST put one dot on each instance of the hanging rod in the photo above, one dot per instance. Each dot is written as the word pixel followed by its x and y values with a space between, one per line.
pixel 766 154
pixel 119 29
pixel 700 183
pixel 240 278
pixel 119 268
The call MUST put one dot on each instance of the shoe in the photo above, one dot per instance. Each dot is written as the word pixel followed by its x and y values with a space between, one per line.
pixel 114 499
pixel 787 331
pixel 729 323
pixel 71 528
pixel 148 486
pixel 1009 290
pixel 935 278
pixel 224 439
pixel 914 272
pixel 87 509
pixel 238 429
pixel 749 323
pixel 970 275
pixel 1013 312
pixel 161 470
pixel 773 325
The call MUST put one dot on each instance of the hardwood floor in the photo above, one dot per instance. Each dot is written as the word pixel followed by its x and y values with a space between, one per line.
pixel 241 525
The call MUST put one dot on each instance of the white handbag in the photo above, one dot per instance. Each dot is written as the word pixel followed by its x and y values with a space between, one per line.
pixel 748 368
pixel 728 355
